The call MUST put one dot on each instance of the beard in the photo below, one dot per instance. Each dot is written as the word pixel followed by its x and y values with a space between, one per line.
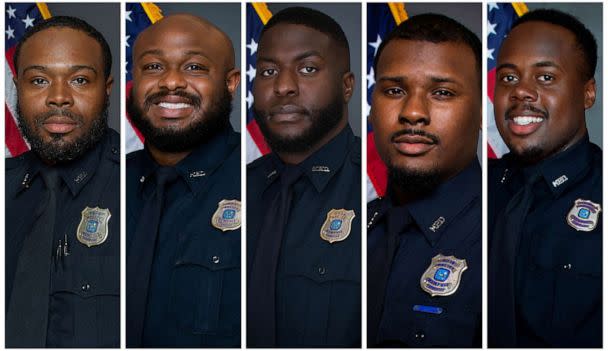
pixel 323 121
pixel 57 150
pixel 414 182
pixel 203 127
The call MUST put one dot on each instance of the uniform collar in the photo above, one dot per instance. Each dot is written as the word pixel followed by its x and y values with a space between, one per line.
pixel 321 166
pixel 559 171
pixel 434 213
pixel 195 168
pixel 75 174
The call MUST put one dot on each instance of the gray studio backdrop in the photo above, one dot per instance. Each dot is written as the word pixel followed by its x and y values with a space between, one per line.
pixel 348 15
pixel 227 17
pixel 591 16
pixel 468 14
pixel 106 19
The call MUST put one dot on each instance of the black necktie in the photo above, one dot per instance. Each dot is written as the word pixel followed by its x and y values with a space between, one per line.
pixel 379 263
pixel 261 288
pixel 501 279
pixel 28 310
pixel 141 256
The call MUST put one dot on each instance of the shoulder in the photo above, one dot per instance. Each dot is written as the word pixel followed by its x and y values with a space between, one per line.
pixel 355 151
pixel 112 146
pixel 258 163
pixel 15 163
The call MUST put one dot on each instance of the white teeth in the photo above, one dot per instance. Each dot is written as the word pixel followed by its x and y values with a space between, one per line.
pixel 173 106
pixel 525 120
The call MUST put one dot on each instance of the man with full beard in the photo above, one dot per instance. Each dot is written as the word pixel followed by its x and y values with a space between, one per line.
pixel 545 195
pixel 183 189
pixel 424 238
pixel 303 236
pixel 63 196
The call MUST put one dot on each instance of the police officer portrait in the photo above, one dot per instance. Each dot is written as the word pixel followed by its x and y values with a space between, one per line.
pixel 545 194
pixel 63 178
pixel 183 188
pixel 304 216
pixel 424 241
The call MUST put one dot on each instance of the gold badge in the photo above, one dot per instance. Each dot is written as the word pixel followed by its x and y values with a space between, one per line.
pixel 442 278
pixel 93 227
pixel 337 225
pixel 227 216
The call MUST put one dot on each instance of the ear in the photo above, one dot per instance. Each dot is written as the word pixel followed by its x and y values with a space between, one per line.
pixel 109 83
pixel 589 93
pixel 233 78
pixel 348 85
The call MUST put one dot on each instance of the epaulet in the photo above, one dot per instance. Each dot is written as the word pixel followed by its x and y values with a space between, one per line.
pixel 355 154
pixel 15 162
pixel 113 146
pixel 258 162
pixel 373 209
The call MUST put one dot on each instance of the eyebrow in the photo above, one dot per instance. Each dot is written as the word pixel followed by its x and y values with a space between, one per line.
pixel 299 57
pixel 537 64
pixel 73 68
pixel 160 52
pixel 434 79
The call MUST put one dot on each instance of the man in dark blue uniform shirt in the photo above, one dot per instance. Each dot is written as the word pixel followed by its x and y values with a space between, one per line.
pixel 183 189
pixel 544 208
pixel 304 218
pixel 424 237
pixel 63 196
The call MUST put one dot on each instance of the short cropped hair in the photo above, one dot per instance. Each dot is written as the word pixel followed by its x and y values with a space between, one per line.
pixel 436 29
pixel 584 38
pixel 308 17
pixel 72 23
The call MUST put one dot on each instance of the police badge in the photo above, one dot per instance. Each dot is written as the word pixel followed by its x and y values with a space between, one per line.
pixel 442 278
pixel 337 225
pixel 93 227
pixel 583 216
pixel 227 216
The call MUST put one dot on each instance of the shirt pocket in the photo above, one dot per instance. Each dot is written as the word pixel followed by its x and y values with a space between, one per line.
pixel 320 297
pixel 573 274
pixel 85 301
pixel 206 285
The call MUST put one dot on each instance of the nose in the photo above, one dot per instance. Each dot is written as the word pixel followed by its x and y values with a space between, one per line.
pixel 414 110
pixel 59 95
pixel 285 84
pixel 172 80
pixel 524 91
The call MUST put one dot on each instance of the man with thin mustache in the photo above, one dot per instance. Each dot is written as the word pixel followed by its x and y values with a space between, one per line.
pixel 545 195
pixel 63 196
pixel 304 218
pixel 183 189
pixel 424 237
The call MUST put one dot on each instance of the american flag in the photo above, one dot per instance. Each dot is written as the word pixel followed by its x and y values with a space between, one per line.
pixel 258 15
pixel 138 17
pixel 18 18
pixel 382 18
pixel 501 17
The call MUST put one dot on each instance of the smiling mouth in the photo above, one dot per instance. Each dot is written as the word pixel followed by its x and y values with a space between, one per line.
pixel 526 120
pixel 173 105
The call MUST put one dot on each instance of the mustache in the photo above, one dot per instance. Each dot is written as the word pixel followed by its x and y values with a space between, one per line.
pixel 41 118
pixel 288 108
pixel 420 132
pixel 526 107
pixel 155 98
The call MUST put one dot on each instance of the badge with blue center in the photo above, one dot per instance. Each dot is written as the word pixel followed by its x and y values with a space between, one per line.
pixel 337 225
pixel 584 215
pixel 227 216
pixel 442 278
pixel 93 227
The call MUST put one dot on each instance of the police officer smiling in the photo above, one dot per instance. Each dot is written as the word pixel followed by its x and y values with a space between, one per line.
pixel 424 237
pixel 544 217
pixel 303 237
pixel 183 189
pixel 63 196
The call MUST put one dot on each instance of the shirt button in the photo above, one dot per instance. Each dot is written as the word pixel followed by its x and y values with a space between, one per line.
pixel 215 259
pixel 85 287
pixel 321 270
pixel 419 336
pixel 114 150
pixel 568 266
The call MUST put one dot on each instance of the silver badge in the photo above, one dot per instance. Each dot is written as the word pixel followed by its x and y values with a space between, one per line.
pixel 442 278
pixel 227 216
pixel 584 215
pixel 93 227
pixel 337 225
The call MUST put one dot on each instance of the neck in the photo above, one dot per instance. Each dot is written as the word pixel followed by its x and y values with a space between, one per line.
pixel 167 159
pixel 295 158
